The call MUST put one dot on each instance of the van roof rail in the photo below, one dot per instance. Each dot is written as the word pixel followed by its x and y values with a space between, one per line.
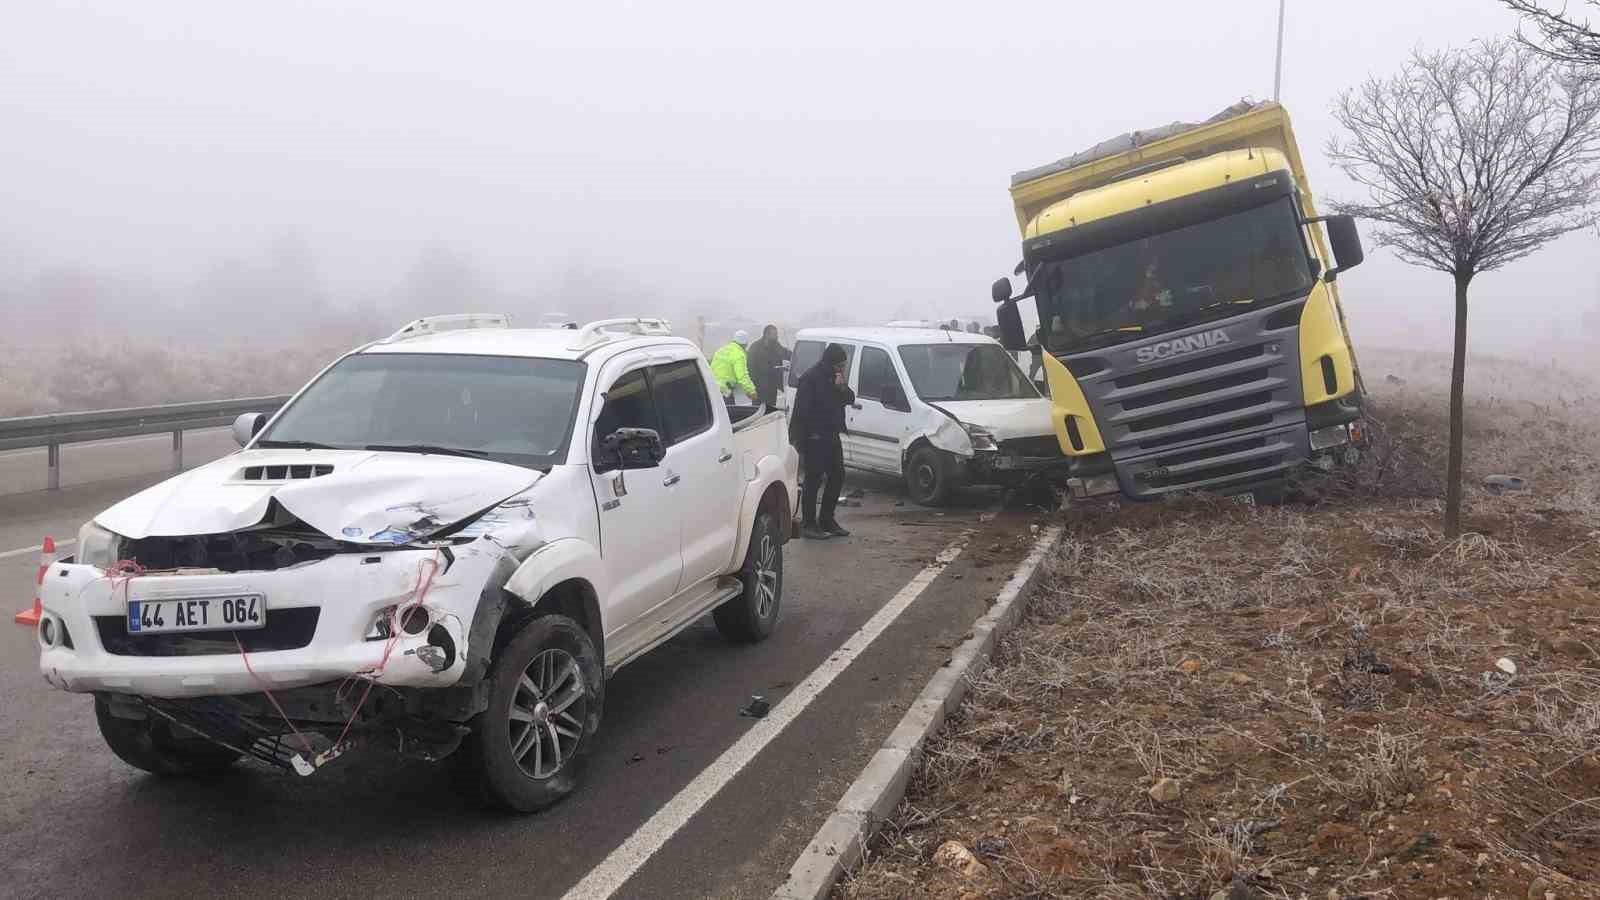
pixel 453 322
pixel 601 330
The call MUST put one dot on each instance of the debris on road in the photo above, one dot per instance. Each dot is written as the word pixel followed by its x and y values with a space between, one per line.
pixel 1501 484
pixel 953 855
pixel 1166 790
pixel 757 708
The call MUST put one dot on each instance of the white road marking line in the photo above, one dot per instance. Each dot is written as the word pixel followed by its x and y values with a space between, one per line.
pixel 621 864
pixel 37 547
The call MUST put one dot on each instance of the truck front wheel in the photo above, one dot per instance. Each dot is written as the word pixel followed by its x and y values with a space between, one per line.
pixel 149 744
pixel 546 687
pixel 752 615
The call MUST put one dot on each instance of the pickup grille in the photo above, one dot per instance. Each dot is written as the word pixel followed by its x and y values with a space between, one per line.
pixel 286 629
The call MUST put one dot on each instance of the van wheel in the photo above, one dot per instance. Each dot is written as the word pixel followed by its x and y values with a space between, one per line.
pixel 149 744
pixel 546 689
pixel 929 477
pixel 751 616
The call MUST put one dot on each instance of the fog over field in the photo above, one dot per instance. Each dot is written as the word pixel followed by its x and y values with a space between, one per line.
pixel 189 175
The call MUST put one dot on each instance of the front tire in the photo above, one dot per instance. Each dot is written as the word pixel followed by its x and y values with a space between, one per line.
pixel 930 477
pixel 751 616
pixel 546 691
pixel 149 744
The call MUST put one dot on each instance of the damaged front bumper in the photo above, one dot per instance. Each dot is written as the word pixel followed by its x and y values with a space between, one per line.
pixel 325 620
pixel 1001 467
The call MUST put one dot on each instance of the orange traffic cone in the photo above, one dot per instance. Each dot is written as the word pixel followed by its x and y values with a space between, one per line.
pixel 47 558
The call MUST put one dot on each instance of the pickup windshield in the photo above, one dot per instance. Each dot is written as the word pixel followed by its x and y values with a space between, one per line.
pixel 1205 271
pixel 508 409
pixel 964 372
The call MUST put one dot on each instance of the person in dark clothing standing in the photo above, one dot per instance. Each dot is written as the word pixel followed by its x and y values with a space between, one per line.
pixel 766 358
pixel 815 424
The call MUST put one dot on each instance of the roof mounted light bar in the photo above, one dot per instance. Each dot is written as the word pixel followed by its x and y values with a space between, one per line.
pixel 602 330
pixel 454 322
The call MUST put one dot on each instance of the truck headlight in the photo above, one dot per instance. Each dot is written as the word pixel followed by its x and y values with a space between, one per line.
pixel 981 438
pixel 1332 436
pixel 98 547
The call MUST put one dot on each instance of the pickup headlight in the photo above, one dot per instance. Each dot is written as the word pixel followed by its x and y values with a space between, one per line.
pixel 98 547
pixel 982 439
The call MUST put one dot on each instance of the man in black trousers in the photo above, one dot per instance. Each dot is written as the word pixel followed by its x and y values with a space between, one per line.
pixel 815 423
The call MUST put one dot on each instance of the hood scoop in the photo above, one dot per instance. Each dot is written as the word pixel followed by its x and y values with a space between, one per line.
pixel 281 473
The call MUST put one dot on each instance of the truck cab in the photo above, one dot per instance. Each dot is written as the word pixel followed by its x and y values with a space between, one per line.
pixel 1188 309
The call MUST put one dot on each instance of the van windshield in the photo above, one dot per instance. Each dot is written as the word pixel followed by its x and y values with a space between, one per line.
pixel 964 372
pixel 1209 270
pixel 508 409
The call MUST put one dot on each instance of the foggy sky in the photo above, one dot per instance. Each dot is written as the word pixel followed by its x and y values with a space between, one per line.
pixel 770 157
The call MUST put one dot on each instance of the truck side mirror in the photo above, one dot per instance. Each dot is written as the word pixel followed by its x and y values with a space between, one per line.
pixel 630 448
pixel 1009 318
pixel 246 426
pixel 1000 291
pixel 1346 241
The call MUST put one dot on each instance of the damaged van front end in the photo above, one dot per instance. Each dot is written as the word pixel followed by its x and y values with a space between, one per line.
pixel 290 605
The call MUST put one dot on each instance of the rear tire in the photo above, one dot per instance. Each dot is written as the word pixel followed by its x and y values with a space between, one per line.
pixel 751 616
pixel 546 690
pixel 930 477
pixel 149 744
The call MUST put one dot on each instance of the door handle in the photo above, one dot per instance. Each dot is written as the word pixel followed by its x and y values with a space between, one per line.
pixel 671 480
pixel 724 457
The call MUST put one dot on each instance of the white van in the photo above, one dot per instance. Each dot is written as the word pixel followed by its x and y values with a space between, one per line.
pixel 937 408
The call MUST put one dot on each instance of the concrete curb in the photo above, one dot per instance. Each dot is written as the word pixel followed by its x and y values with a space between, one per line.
pixel 838 844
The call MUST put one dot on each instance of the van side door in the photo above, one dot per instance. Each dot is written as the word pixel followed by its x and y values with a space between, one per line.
pixel 884 415
pixel 806 354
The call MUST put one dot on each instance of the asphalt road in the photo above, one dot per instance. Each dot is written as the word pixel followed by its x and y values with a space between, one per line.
pixel 76 822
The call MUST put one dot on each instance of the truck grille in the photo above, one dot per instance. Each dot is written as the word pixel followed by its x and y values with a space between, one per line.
pixel 1208 418
pixel 286 629
pixel 1213 467
pixel 1212 395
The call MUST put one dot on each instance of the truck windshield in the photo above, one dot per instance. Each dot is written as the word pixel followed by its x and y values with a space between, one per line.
pixel 509 409
pixel 964 372
pixel 1204 271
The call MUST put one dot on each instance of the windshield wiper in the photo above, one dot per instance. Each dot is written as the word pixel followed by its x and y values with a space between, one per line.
pixel 1081 343
pixel 294 445
pixel 429 448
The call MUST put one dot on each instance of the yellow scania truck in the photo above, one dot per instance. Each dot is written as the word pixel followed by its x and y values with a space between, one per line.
pixel 1189 319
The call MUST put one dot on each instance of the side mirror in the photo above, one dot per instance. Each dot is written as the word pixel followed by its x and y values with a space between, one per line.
pixel 1012 337
pixel 1000 291
pixel 631 448
pixel 246 426
pixel 1346 241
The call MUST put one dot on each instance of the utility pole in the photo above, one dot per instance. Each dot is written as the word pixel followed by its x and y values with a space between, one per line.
pixel 1277 73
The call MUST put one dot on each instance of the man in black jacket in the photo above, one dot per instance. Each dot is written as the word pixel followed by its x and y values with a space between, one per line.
pixel 815 423
pixel 766 358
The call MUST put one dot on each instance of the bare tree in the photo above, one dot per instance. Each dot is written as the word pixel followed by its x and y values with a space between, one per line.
pixel 1561 35
pixel 1472 159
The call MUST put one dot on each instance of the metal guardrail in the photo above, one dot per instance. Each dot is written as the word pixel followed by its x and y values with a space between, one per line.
pixel 51 431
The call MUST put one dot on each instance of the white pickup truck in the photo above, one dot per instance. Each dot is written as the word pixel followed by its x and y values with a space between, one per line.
pixel 446 542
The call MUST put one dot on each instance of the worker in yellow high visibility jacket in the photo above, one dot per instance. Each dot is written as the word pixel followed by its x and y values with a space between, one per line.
pixel 731 368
